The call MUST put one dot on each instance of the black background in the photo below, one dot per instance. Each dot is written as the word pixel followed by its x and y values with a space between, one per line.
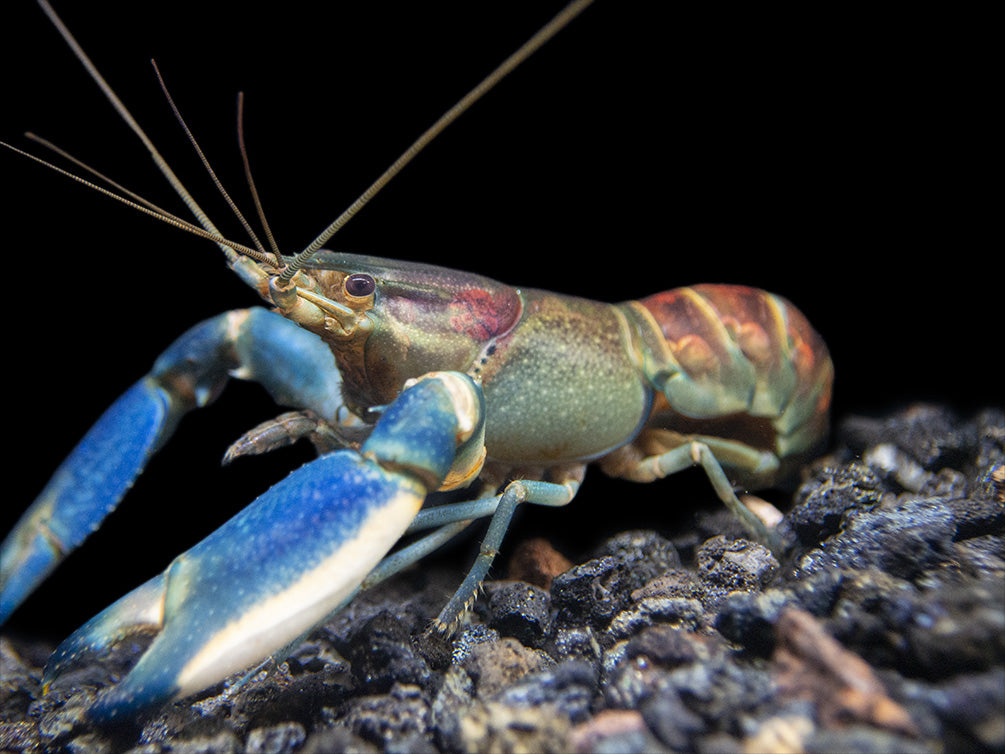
pixel 837 157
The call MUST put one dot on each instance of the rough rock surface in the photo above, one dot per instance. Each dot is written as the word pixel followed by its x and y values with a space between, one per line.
pixel 881 628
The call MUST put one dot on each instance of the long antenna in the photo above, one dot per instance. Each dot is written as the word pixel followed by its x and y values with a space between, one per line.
pixel 525 51
pixel 234 251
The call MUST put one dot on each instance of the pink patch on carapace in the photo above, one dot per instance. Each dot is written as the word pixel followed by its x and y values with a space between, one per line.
pixel 477 314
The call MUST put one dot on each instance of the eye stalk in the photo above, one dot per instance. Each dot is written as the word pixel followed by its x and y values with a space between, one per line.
pixel 359 285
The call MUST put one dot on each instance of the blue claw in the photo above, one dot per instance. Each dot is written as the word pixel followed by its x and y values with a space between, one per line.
pixel 291 558
pixel 86 488
pixel 293 365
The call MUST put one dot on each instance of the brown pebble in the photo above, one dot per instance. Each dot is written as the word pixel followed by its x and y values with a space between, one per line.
pixel 815 666
pixel 537 562
pixel 606 724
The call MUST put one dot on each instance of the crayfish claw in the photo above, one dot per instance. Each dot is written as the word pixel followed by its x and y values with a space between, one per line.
pixel 291 558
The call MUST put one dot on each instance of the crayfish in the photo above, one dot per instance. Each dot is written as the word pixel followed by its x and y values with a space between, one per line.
pixel 412 379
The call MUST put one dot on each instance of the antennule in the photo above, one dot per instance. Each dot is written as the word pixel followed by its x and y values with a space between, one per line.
pixel 251 181
pixel 228 248
pixel 205 160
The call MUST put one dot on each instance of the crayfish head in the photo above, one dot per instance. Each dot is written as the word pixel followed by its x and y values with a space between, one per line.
pixel 389 321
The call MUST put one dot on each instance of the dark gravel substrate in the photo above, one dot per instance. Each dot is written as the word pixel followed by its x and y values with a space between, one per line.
pixel 882 631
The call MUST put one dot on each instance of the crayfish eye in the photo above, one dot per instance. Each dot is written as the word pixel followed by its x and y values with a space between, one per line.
pixel 359 285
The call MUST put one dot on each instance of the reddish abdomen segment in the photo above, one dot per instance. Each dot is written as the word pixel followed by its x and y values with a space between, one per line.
pixel 748 357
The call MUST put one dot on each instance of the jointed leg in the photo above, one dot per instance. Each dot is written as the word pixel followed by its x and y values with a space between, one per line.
pixel 704 452
pixel 449 520
pixel 520 491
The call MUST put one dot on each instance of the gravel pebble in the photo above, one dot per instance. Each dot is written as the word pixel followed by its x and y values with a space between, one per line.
pixel 881 628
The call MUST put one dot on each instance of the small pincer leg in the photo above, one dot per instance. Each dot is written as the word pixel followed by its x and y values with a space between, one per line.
pixel 292 557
